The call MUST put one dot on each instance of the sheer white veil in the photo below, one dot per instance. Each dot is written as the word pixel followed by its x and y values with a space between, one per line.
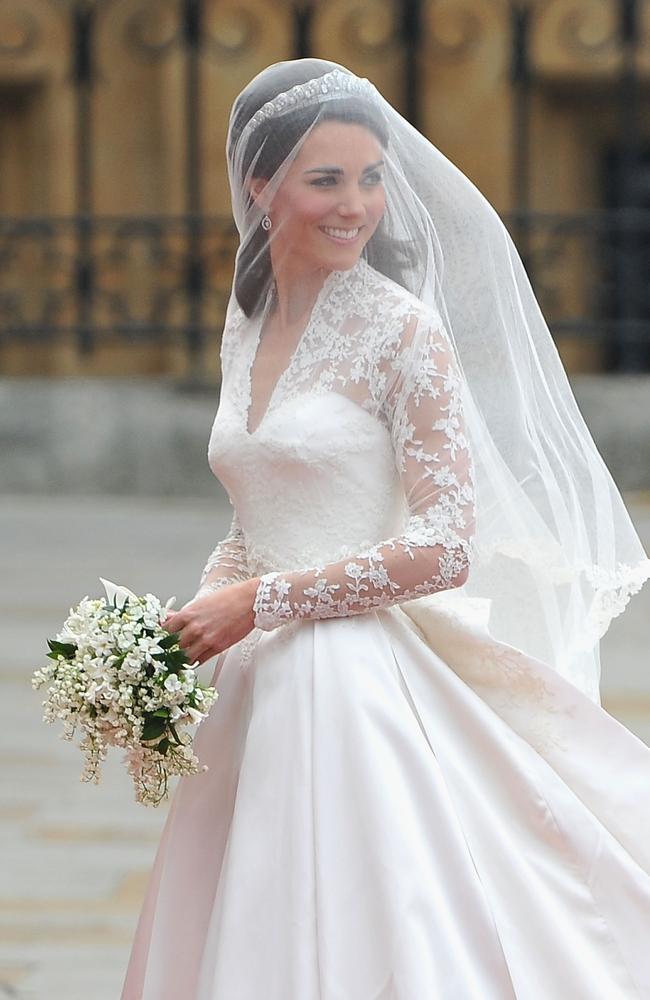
pixel 554 549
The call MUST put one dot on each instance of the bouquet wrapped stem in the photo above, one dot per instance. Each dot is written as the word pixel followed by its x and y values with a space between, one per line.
pixel 123 680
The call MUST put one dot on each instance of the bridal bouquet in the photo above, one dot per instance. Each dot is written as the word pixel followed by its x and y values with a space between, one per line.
pixel 124 681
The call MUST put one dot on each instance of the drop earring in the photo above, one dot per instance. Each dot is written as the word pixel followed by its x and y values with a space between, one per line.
pixel 266 223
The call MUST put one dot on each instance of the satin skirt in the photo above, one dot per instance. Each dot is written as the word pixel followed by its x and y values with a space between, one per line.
pixel 399 807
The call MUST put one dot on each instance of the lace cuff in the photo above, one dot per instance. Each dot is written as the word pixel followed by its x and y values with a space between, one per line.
pixel 268 606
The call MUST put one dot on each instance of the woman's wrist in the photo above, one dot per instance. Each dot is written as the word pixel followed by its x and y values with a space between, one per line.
pixel 252 586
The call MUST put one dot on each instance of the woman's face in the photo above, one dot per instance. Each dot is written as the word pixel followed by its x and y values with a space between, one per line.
pixel 330 201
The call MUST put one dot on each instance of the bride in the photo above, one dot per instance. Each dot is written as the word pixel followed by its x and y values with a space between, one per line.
pixel 413 791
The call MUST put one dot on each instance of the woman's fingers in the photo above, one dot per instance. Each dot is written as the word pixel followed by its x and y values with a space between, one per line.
pixel 199 648
pixel 173 622
pixel 202 656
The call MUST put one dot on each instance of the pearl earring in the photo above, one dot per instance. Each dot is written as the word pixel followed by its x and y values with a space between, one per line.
pixel 266 223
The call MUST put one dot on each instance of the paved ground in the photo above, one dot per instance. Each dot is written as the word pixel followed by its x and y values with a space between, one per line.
pixel 76 856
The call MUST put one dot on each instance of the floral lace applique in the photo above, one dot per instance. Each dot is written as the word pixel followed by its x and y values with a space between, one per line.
pixel 411 381
pixel 227 563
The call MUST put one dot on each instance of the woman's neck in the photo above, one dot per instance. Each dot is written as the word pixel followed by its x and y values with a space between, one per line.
pixel 296 291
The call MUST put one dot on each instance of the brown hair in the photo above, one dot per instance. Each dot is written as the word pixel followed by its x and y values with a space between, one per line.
pixel 268 148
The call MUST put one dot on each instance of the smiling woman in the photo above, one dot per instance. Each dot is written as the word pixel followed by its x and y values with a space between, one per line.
pixel 344 203
pixel 335 153
pixel 356 201
pixel 321 218
pixel 413 791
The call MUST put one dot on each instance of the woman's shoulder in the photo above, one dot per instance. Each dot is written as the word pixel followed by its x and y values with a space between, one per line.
pixel 389 302
pixel 390 310
pixel 231 337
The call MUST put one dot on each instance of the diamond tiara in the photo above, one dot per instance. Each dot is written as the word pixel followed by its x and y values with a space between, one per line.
pixel 322 88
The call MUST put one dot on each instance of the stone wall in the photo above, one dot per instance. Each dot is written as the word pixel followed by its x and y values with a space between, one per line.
pixel 144 436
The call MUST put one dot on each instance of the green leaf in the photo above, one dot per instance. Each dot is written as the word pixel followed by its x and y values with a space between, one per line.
pixel 163 746
pixel 163 713
pixel 175 659
pixel 67 649
pixel 169 640
pixel 153 728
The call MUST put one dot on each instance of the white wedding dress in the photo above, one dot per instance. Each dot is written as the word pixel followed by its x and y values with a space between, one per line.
pixel 398 806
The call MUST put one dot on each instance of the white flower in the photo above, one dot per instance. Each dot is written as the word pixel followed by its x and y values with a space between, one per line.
pixel 116 594
pixel 102 645
pixel 196 716
pixel 94 667
pixel 93 690
pixel 148 646
pixel 172 683
pixel 131 665
pixel 66 636
pixel 125 638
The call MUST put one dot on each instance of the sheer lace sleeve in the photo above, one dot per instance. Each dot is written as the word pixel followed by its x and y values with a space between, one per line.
pixel 227 563
pixel 422 406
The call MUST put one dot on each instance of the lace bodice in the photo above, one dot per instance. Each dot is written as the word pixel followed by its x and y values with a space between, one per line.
pixel 355 490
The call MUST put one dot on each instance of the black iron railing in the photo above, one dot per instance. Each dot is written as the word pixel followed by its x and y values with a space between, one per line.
pixel 137 278
pixel 167 279
pixel 145 277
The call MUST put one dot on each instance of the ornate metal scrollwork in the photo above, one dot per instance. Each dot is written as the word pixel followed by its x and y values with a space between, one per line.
pixel 138 270
pixel 20 32
pixel 155 276
pixel 589 28
pixel 231 34
pixel 453 30
pixel 154 29
pixel 597 248
pixel 371 27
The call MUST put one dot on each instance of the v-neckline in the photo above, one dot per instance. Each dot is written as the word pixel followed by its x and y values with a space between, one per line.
pixel 248 400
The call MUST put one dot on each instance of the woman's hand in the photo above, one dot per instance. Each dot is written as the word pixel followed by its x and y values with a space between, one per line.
pixel 210 624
